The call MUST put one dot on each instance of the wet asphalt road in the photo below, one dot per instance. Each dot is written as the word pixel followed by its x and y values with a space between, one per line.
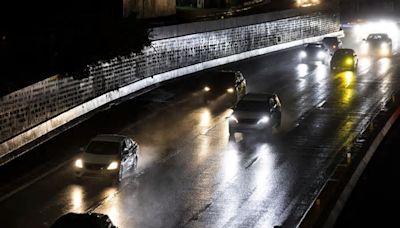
pixel 190 175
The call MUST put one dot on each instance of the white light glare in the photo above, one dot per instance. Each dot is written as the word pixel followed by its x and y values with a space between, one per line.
pixel 113 165
pixel 263 120
pixel 321 55
pixel 232 118
pixel 79 163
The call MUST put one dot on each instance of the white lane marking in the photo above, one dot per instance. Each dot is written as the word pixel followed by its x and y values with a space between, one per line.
pixel 321 104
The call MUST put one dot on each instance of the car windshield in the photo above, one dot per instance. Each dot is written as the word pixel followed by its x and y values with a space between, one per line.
pixel 223 79
pixel 252 106
pixel 103 147
pixel 342 54
pixel 314 47
pixel 376 36
pixel 330 40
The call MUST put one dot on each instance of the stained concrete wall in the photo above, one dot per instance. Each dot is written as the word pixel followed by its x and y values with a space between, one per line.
pixel 149 8
pixel 30 113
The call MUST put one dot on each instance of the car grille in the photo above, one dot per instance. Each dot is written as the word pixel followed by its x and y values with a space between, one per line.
pixel 248 121
pixel 94 166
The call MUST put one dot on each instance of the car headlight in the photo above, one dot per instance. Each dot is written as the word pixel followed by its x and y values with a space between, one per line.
pixel 303 54
pixel 206 88
pixel 230 90
pixel 321 55
pixel 113 165
pixel 385 51
pixel 79 163
pixel 349 61
pixel 233 119
pixel 263 120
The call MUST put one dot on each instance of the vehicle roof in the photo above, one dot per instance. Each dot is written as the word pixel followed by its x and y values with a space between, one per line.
pixel 109 137
pixel 315 44
pixel 228 71
pixel 330 38
pixel 78 220
pixel 378 34
pixel 344 51
pixel 222 76
pixel 257 96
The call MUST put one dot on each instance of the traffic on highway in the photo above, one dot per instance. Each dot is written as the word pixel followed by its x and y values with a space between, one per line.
pixel 252 149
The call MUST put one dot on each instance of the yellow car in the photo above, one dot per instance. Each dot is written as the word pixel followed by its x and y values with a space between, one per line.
pixel 344 59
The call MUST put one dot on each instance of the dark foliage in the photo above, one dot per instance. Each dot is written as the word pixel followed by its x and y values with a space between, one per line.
pixel 62 37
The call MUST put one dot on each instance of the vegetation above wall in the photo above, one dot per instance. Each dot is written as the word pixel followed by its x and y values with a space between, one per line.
pixel 40 43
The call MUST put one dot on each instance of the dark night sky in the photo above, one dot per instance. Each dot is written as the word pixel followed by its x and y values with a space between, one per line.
pixel 22 13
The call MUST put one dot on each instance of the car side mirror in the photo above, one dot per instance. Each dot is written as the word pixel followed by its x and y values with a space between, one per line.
pixel 125 151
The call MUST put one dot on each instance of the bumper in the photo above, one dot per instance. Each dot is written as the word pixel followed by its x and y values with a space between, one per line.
pixel 342 68
pixel 210 95
pixel 378 53
pixel 96 173
pixel 247 128
pixel 312 59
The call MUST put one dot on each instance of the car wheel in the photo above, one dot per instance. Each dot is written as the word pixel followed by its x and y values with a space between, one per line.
pixel 118 177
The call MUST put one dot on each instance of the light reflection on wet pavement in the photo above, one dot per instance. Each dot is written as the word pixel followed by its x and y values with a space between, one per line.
pixel 191 175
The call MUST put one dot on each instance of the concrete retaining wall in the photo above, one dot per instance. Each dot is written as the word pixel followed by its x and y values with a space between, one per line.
pixel 32 112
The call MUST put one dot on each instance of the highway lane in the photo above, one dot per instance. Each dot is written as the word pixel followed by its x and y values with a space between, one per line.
pixel 190 174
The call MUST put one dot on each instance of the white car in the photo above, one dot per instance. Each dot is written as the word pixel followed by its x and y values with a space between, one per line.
pixel 108 155
pixel 378 45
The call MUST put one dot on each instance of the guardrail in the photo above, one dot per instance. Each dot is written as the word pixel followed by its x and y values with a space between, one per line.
pixel 329 202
